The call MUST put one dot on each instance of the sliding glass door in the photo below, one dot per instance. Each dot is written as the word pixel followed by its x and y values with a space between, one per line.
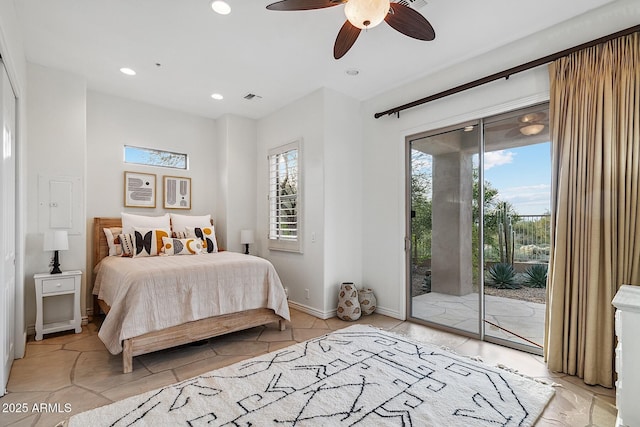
pixel 478 219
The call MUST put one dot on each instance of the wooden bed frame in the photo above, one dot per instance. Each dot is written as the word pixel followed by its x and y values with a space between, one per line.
pixel 180 334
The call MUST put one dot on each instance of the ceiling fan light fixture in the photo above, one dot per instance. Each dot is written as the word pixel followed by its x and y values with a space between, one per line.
pixel 531 129
pixel 366 14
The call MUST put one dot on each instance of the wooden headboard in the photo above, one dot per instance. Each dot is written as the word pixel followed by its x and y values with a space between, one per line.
pixel 100 247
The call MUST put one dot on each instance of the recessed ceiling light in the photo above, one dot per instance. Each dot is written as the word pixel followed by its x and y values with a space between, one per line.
pixel 352 72
pixel 127 71
pixel 217 96
pixel 221 7
pixel 468 128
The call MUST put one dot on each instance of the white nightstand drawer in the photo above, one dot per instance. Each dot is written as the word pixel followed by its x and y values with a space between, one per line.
pixel 62 284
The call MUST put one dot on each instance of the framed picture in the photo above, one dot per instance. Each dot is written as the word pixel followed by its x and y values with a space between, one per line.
pixel 177 192
pixel 139 190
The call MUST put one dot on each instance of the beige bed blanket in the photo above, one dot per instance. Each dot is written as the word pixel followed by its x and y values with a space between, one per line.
pixel 152 293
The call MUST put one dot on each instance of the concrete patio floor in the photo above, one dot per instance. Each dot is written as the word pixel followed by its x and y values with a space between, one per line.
pixel 461 312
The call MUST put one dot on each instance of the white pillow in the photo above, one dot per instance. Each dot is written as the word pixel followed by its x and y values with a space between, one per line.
pixel 179 223
pixel 129 221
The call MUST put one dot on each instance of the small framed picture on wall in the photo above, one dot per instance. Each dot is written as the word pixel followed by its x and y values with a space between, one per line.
pixel 139 190
pixel 177 192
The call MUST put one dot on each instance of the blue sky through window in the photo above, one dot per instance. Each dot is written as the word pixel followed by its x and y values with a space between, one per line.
pixel 522 176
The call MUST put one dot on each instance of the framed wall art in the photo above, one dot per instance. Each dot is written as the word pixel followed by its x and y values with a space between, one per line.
pixel 139 190
pixel 177 192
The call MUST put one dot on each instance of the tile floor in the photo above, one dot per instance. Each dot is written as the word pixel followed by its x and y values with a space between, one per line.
pixel 76 369
pixel 524 318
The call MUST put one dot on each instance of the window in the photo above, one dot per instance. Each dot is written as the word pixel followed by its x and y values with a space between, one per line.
pixel 284 198
pixel 152 157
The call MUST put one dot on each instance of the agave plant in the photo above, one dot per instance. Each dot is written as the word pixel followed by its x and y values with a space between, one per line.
pixel 502 276
pixel 426 284
pixel 536 276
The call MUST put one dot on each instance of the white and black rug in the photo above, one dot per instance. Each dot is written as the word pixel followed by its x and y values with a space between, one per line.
pixel 358 376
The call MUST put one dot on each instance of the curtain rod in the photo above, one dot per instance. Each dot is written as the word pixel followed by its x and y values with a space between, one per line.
pixel 507 73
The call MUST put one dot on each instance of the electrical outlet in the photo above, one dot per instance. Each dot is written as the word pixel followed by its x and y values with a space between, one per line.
pixel 306 293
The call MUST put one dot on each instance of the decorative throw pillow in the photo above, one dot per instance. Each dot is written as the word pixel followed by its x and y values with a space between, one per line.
pixel 115 249
pixel 129 221
pixel 182 246
pixel 127 243
pixel 148 242
pixel 207 234
pixel 180 222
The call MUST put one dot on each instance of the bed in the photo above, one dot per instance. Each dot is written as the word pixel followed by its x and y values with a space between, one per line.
pixel 154 303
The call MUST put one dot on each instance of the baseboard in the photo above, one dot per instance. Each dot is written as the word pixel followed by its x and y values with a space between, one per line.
pixel 332 313
pixel 84 320
pixel 391 313
pixel 312 311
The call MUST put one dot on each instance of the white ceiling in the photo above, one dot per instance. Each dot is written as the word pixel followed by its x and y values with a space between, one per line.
pixel 280 56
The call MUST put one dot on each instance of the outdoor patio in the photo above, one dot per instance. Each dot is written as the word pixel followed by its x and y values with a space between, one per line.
pixel 523 318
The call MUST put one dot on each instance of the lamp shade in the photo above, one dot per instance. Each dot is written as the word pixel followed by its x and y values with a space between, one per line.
pixel 531 129
pixel 246 237
pixel 56 240
pixel 365 14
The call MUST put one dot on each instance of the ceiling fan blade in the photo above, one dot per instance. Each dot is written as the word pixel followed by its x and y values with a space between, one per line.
pixel 304 4
pixel 347 36
pixel 409 22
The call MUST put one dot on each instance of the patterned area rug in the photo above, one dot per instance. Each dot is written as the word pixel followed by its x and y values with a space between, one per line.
pixel 358 376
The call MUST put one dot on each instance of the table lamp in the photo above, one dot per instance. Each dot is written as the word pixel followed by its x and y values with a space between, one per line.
pixel 56 240
pixel 246 238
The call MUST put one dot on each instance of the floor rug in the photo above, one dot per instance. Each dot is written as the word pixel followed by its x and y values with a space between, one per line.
pixel 358 376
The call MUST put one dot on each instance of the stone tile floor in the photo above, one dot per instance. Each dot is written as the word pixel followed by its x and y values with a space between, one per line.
pixel 76 369
pixel 522 318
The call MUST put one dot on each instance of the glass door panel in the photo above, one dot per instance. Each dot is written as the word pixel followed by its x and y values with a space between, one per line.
pixel 443 228
pixel 517 175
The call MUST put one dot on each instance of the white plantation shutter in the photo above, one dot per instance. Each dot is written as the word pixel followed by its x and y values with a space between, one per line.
pixel 284 198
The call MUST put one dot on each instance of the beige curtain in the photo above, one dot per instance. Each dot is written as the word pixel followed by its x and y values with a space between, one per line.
pixel 595 221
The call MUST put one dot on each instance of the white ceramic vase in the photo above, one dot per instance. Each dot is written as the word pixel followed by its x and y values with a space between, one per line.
pixel 367 301
pixel 348 303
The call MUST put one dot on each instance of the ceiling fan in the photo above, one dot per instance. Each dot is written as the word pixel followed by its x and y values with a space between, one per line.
pixel 365 14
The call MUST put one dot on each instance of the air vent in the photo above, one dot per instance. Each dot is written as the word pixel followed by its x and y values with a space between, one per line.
pixel 252 96
pixel 414 4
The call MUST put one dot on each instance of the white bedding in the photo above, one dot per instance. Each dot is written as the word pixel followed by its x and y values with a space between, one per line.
pixel 152 293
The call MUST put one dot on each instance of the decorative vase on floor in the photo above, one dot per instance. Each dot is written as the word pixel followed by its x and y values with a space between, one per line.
pixel 348 304
pixel 367 301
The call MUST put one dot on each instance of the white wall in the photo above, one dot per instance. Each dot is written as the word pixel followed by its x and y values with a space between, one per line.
pixel 113 122
pixel 343 151
pixel 236 207
pixel 56 117
pixel 301 119
pixel 384 169
pixel 328 123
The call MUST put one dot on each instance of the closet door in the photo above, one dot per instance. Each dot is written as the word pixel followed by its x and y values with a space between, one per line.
pixel 7 228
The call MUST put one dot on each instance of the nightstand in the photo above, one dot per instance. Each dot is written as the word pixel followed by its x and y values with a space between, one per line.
pixel 49 285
